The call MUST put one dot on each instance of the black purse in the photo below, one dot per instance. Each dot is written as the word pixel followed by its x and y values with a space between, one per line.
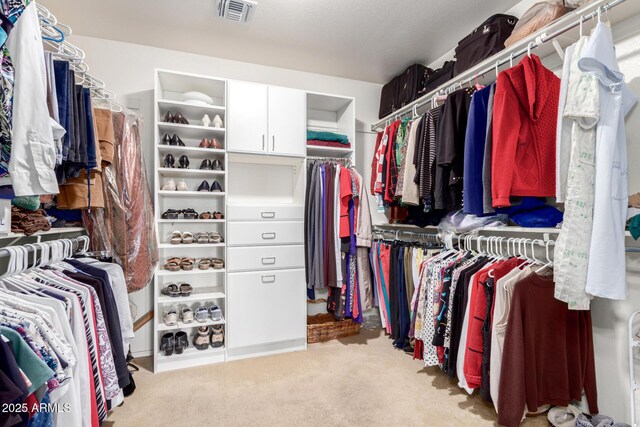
pixel 485 41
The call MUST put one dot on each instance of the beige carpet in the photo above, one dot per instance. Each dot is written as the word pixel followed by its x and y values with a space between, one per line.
pixel 357 381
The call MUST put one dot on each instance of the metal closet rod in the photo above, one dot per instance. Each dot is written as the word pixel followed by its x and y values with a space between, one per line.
pixel 540 40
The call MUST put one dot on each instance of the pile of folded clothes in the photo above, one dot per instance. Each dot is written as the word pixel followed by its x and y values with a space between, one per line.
pixel 327 139
pixel 28 222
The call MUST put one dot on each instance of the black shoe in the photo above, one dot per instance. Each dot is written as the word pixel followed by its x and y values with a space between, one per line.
pixel 166 139
pixel 170 214
pixel 167 344
pixel 181 342
pixel 169 161
pixel 184 162
pixel 189 214
pixel 177 141
pixel 168 117
pixel 204 186
pixel 179 118
pixel 217 165
pixel 206 164
pixel 215 186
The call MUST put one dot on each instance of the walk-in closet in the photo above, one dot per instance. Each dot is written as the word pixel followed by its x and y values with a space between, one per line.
pixel 342 213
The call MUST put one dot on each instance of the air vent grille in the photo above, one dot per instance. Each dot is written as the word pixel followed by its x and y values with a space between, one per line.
pixel 236 10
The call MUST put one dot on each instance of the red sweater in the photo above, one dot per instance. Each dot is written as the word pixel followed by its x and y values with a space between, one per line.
pixel 525 115
pixel 548 353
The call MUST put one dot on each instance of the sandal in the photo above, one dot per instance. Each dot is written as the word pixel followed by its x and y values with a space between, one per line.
pixel 201 340
pixel 202 314
pixel 187 263
pixel 216 313
pixel 202 238
pixel 189 214
pixel 215 237
pixel 171 290
pixel 206 215
pixel 204 264
pixel 187 238
pixel 176 238
pixel 172 264
pixel 218 263
pixel 185 289
pixel 218 215
pixel 170 214
pixel 170 318
pixel 187 315
pixel 167 344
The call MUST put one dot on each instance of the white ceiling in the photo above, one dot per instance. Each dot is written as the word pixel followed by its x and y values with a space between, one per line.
pixel 370 40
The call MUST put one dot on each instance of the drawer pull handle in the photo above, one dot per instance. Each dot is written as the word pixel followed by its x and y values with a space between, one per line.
pixel 268 236
pixel 269 279
pixel 268 214
pixel 269 260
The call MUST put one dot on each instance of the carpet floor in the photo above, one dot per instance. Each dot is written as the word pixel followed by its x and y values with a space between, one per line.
pixel 356 381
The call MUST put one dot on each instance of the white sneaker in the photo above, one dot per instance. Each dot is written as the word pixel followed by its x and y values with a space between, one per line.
pixel 170 186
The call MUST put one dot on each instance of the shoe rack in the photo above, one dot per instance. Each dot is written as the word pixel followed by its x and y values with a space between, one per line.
pixel 209 285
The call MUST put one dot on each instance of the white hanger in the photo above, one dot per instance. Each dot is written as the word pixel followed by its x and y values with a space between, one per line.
pixel 511 60
pixel 529 46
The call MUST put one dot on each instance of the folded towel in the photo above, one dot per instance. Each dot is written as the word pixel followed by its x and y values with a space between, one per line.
pixel 336 144
pixel 327 136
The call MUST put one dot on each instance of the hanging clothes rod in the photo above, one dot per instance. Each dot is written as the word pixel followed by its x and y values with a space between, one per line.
pixel 329 159
pixel 502 58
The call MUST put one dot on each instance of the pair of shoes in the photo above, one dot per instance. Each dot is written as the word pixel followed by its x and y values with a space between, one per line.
pixel 170 161
pixel 171 186
pixel 211 237
pixel 178 237
pixel 214 313
pixel 214 165
pixel 210 143
pixel 215 263
pixel 172 140
pixel 175 214
pixel 204 338
pixel 210 215
pixel 178 118
pixel 215 186
pixel 172 290
pixel 170 343
pixel 177 263
pixel 217 121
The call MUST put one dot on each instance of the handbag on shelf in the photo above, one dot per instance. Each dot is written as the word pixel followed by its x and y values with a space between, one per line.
pixel 485 41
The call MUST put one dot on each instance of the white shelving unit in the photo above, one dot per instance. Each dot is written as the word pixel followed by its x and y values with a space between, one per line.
pixel 332 113
pixel 634 382
pixel 209 286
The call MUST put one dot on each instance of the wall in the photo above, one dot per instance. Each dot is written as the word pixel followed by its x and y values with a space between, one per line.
pixel 128 69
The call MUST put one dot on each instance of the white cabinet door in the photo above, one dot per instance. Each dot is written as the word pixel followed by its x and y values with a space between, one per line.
pixel 287 121
pixel 266 307
pixel 247 120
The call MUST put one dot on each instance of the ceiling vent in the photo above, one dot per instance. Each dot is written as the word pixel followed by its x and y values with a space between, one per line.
pixel 236 10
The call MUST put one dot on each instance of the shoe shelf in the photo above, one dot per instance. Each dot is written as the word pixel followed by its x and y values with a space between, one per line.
pixel 191 193
pixel 194 324
pixel 190 272
pixel 192 221
pixel 189 173
pixel 190 131
pixel 189 109
pixel 166 149
pixel 210 284
pixel 199 294
pixel 190 245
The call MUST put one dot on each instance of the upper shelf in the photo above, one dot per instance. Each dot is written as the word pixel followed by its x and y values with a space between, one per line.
pixel 190 109
pixel 565 30
pixel 190 131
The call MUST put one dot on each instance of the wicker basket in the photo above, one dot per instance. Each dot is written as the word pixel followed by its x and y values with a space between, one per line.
pixel 324 327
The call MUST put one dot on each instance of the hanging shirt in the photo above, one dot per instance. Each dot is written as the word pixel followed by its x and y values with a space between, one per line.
pixel 475 139
pixel 606 275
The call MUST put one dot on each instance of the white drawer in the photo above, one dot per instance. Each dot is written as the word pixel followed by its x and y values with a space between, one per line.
pixel 265 212
pixel 265 233
pixel 266 307
pixel 265 258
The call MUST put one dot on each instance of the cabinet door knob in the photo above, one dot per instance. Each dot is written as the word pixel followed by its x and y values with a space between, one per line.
pixel 263 141
pixel 268 214
pixel 269 279
pixel 269 260
pixel 273 144
pixel 268 236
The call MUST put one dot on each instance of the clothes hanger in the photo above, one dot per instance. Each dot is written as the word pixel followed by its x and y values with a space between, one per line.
pixel 549 263
pixel 529 46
